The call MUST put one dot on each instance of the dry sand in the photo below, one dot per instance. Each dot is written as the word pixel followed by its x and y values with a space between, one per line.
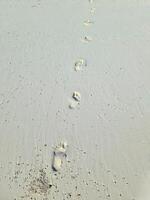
pixel 108 132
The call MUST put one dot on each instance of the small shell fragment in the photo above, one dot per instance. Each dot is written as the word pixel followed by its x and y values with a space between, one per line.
pixel 77 96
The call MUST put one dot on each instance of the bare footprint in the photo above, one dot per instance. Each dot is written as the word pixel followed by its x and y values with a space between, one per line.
pixel 75 101
pixel 86 39
pixel 88 22
pixel 80 64
pixel 58 156
pixel 76 96
pixel 91 1
pixel 73 104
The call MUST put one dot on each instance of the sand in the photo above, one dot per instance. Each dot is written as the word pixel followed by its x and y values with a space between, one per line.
pixel 108 154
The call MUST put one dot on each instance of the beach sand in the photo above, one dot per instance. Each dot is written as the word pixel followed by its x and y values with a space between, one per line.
pixel 98 50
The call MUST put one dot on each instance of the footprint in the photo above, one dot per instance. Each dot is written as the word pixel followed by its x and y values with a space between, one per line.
pixel 76 96
pixel 92 10
pixel 57 163
pixel 75 101
pixel 91 1
pixel 79 64
pixel 58 156
pixel 73 104
pixel 87 39
pixel 88 22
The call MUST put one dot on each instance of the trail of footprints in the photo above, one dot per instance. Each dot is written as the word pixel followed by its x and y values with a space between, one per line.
pixel 41 183
pixel 81 63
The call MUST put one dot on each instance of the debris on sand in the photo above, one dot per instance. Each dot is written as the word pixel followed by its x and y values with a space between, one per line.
pixel 58 156
pixel 41 184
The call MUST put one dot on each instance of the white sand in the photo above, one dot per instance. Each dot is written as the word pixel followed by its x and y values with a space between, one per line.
pixel 108 133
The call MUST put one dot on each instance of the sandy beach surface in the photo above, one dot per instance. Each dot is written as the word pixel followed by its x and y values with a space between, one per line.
pixel 74 100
